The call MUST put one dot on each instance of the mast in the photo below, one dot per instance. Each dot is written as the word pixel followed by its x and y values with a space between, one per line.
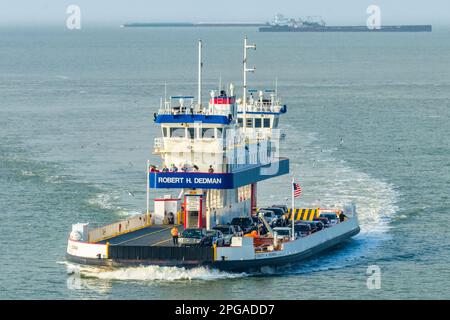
pixel 148 192
pixel 292 210
pixel 200 65
pixel 244 95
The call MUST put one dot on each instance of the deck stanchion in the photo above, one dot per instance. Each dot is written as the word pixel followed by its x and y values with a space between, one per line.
pixel 148 193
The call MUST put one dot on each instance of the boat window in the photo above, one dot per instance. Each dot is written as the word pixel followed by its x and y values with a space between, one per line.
pixel 249 122
pixel 207 132
pixel 240 121
pixel 266 123
pixel 257 123
pixel 191 133
pixel 275 122
pixel 164 132
pixel 177 132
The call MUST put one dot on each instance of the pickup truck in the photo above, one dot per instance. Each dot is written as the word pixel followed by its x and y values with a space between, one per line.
pixel 228 231
pixel 192 236
pixel 245 223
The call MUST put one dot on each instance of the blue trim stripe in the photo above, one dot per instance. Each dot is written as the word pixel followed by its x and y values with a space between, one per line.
pixel 191 118
pixel 256 112
pixel 233 180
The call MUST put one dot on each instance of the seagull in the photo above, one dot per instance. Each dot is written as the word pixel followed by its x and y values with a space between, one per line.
pixel 131 193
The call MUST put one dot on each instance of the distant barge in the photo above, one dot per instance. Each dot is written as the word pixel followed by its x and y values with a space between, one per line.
pixel 320 28
pixel 188 24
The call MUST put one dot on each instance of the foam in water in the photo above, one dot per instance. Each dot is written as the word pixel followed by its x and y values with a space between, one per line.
pixel 107 200
pixel 151 273
pixel 104 201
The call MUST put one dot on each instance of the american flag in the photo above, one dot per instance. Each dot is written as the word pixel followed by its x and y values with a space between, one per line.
pixel 297 190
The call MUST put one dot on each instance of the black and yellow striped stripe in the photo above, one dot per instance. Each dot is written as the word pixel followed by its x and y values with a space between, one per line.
pixel 303 213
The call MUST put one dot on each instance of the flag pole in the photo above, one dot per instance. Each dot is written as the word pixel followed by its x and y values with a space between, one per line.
pixel 148 192
pixel 292 208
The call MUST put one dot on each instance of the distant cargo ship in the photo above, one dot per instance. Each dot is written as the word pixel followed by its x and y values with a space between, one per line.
pixel 282 24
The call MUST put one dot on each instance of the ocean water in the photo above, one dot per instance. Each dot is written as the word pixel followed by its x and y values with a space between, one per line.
pixel 368 122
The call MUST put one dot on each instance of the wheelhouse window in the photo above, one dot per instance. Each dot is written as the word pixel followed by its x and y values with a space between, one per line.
pixel 164 130
pixel 249 122
pixel 207 132
pixel 266 123
pixel 257 123
pixel 177 132
pixel 240 121
pixel 275 122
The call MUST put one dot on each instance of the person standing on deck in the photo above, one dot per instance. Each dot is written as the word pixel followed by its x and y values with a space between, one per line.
pixel 174 233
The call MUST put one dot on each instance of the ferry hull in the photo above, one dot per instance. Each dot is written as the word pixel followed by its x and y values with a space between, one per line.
pixel 317 243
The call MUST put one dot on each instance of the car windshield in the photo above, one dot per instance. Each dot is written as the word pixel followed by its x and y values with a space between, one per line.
pixel 241 222
pixel 277 211
pixel 267 214
pixel 283 208
pixel 192 233
pixel 329 215
pixel 224 230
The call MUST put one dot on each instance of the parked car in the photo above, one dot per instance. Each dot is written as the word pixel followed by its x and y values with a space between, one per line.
pixel 268 215
pixel 280 222
pixel 192 236
pixel 281 206
pixel 255 219
pixel 277 211
pixel 245 223
pixel 331 216
pixel 228 232
pixel 315 225
pixel 324 220
pixel 212 237
pixel 239 231
pixel 302 229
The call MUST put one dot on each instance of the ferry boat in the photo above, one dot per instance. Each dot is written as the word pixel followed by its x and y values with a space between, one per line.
pixel 214 154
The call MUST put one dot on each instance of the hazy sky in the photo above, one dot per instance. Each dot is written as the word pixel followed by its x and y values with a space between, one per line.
pixel 37 12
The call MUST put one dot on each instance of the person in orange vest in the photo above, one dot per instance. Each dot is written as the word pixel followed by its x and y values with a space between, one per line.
pixel 174 233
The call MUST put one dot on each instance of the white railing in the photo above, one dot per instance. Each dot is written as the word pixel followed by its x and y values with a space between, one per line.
pixel 258 106
pixel 112 230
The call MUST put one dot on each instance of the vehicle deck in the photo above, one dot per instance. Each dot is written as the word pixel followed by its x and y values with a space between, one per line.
pixel 155 235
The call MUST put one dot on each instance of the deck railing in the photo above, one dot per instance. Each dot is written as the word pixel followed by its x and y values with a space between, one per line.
pixel 114 229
